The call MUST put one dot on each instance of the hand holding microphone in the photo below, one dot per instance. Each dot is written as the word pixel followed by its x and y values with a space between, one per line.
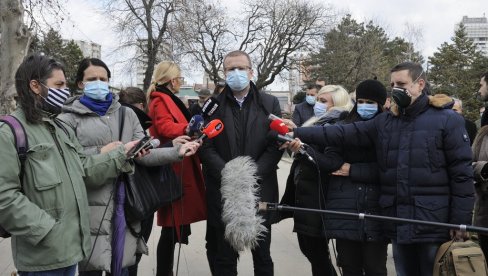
pixel 282 124
pixel 188 149
pixel 141 147
pixel 294 145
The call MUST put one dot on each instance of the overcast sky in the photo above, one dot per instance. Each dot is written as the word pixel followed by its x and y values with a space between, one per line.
pixel 434 18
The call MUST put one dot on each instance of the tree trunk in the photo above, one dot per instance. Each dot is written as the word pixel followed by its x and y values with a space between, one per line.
pixel 14 43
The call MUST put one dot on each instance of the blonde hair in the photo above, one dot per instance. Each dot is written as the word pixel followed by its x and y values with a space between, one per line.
pixel 340 96
pixel 342 101
pixel 163 73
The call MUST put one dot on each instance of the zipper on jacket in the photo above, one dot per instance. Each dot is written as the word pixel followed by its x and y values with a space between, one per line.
pixel 53 134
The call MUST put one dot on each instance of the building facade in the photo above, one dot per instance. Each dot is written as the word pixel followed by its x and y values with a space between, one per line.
pixel 89 49
pixel 477 30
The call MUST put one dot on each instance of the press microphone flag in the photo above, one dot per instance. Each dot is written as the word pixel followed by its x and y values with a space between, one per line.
pixel 212 129
pixel 195 125
pixel 279 126
pixel 209 107
pixel 243 226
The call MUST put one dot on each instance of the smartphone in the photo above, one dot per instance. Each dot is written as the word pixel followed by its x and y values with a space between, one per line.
pixel 138 147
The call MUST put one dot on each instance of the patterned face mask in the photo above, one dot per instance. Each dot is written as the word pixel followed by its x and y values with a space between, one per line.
pixel 57 96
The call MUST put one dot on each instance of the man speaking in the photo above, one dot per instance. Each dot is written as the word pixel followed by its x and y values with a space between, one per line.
pixel 244 111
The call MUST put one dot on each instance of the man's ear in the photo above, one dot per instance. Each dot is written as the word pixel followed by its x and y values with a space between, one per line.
pixel 35 86
pixel 421 84
pixel 81 85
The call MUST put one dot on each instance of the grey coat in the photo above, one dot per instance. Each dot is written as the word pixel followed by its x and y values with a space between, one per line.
pixel 480 159
pixel 94 132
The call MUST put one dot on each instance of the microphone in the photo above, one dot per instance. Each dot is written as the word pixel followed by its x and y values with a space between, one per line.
pixel 195 125
pixel 274 135
pixel 278 126
pixel 273 117
pixel 209 107
pixel 212 129
pixel 240 189
pixel 145 143
pixel 154 143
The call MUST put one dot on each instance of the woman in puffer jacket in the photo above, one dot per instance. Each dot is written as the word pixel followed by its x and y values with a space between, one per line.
pixel 355 188
pixel 95 117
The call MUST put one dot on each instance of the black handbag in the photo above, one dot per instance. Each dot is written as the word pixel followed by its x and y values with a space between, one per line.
pixel 149 188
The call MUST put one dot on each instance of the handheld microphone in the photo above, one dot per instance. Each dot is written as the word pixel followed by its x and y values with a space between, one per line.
pixel 209 107
pixel 274 135
pixel 195 125
pixel 145 143
pixel 273 117
pixel 278 126
pixel 154 143
pixel 212 129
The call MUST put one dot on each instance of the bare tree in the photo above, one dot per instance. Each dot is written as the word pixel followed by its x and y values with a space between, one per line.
pixel 144 25
pixel 18 18
pixel 202 31
pixel 270 31
pixel 14 44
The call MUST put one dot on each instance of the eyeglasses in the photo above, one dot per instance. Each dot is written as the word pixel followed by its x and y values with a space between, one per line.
pixel 240 68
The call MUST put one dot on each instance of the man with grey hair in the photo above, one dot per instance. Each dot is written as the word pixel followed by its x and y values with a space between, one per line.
pixel 244 111
pixel 471 128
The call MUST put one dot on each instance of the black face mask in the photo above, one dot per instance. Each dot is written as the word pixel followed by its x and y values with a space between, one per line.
pixel 401 97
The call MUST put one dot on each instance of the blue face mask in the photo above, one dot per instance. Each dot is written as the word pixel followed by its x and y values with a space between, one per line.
pixel 319 109
pixel 96 90
pixel 237 80
pixel 310 99
pixel 367 111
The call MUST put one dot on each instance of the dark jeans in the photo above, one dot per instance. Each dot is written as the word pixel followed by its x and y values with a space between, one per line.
pixel 146 228
pixel 166 248
pixel 222 258
pixel 316 250
pixel 415 259
pixel 65 271
pixel 362 258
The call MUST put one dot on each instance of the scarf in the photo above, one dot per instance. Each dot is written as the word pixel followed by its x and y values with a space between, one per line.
pixel 99 107
pixel 181 106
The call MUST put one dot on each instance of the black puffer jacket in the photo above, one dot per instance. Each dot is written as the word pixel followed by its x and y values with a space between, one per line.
pixel 357 193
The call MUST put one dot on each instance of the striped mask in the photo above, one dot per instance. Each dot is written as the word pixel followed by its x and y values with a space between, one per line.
pixel 56 97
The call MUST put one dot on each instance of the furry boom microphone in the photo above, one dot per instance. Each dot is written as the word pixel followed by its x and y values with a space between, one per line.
pixel 243 227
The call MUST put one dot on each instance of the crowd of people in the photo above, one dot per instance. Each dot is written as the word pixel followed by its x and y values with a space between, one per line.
pixel 403 154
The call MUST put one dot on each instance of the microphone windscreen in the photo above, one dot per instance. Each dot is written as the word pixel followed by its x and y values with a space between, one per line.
pixel 279 126
pixel 209 107
pixel 213 128
pixel 243 226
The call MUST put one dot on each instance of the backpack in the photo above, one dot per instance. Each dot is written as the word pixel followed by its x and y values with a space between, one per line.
pixel 21 145
pixel 460 258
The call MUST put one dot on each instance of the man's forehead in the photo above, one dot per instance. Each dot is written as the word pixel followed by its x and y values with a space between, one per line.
pixel 239 60
pixel 400 75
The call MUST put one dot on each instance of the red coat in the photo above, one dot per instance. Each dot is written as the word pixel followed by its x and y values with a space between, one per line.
pixel 168 122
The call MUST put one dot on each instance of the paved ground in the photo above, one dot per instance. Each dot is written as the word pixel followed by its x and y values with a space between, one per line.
pixel 286 255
